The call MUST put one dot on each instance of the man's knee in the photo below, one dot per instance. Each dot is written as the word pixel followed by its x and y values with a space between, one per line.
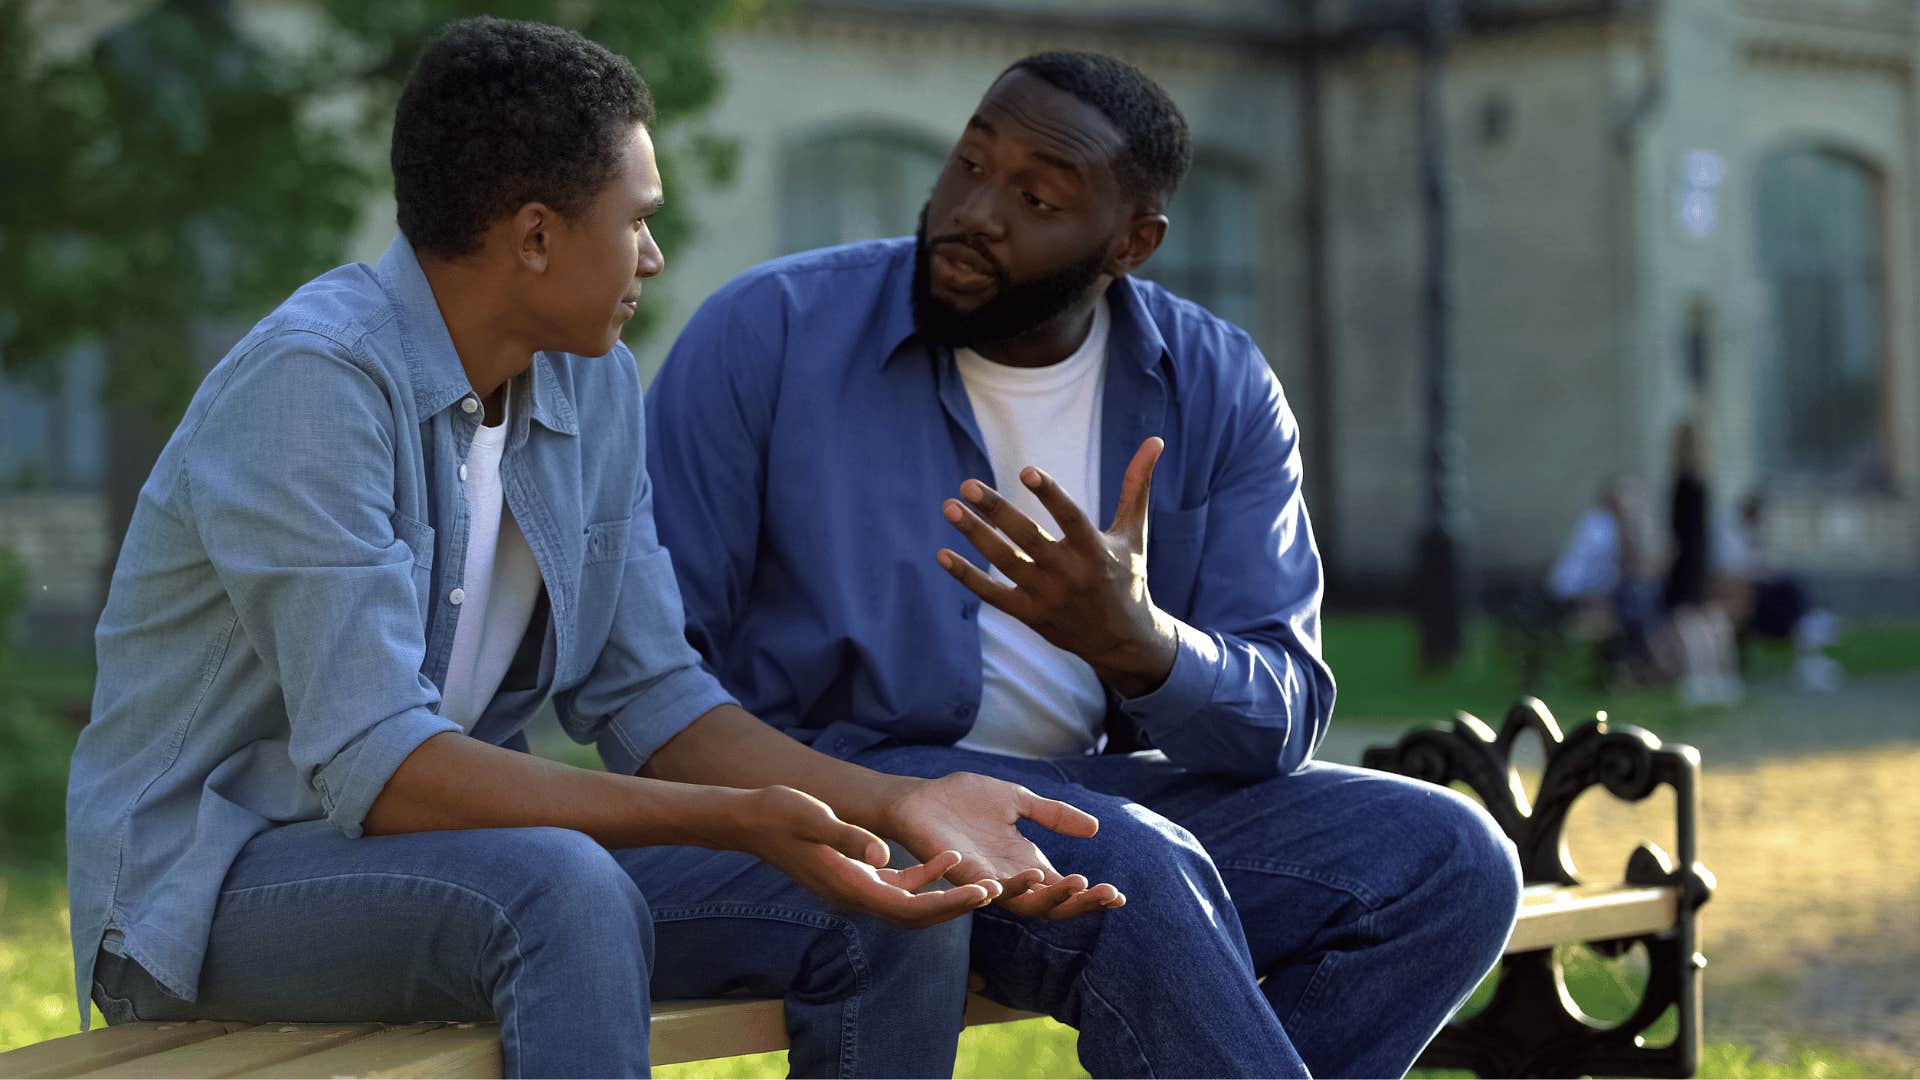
pixel 1479 876
pixel 575 889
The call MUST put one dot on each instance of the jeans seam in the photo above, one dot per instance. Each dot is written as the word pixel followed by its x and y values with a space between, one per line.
pixel 1358 890
pixel 729 909
pixel 1083 979
pixel 1316 985
pixel 862 974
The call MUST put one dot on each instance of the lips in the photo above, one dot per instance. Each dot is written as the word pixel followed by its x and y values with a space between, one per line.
pixel 961 269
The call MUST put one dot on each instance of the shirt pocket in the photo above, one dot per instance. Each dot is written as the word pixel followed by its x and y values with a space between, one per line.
pixel 418 536
pixel 1174 541
pixel 607 541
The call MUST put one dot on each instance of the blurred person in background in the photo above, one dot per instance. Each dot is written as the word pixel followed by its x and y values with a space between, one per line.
pixel 1768 601
pixel 405 510
pixel 1698 636
pixel 1603 582
pixel 829 424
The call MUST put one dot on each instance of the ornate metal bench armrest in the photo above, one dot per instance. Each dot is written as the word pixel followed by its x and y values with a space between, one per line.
pixel 1532 1027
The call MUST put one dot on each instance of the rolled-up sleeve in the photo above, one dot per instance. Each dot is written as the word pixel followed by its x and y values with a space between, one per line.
pixel 647 683
pixel 1249 694
pixel 290 481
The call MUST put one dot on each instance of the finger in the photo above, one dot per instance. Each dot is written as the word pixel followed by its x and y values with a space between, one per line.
pixel 848 839
pixel 1136 490
pixel 1038 902
pixel 1066 513
pixel 1012 561
pixel 855 886
pixel 915 878
pixel 1063 818
pixel 1083 903
pixel 1024 881
pixel 1007 517
pixel 1005 597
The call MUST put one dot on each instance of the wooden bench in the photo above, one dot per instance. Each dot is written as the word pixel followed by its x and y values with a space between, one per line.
pixel 1526 1030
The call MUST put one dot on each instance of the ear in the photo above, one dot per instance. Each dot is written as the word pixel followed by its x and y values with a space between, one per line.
pixel 1143 236
pixel 533 229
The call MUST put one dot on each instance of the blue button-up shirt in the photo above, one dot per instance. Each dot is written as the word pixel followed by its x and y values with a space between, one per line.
pixel 802 438
pixel 282 614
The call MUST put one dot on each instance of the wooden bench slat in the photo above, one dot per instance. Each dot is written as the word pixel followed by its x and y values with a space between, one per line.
pixel 1553 914
pixel 720 1027
pixel 418 1050
pixel 105 1046
pixel 242 1053
pixel 682 1030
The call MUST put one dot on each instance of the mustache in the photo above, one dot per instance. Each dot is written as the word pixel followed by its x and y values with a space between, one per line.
pixel 965 241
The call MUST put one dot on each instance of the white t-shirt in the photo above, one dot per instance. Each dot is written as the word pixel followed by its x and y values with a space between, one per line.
pixel 1037 701
pixel 499 586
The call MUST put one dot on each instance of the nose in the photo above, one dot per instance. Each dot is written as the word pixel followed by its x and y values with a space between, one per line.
pixel 978 212
pixel 652 260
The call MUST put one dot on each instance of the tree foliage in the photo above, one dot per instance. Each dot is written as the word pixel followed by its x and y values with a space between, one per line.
pixel 184 169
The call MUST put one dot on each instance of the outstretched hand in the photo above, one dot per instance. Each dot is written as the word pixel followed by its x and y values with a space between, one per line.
pixel 847 865
pixel 976 816
pixel 1084 591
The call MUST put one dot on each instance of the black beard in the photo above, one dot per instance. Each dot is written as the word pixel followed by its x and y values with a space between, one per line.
pixel 1015 308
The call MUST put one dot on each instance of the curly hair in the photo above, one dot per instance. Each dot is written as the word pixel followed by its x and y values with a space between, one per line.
pixel 499 113
pixel 1158 152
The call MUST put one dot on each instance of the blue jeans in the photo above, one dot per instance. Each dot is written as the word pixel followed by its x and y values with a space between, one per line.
pixel 555 936
pixel 1325 923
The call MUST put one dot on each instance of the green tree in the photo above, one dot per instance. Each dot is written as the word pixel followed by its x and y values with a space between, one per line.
pixel 183 172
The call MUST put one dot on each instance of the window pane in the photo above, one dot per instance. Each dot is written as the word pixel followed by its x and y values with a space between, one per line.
pixel 856 185
pixel 1820 253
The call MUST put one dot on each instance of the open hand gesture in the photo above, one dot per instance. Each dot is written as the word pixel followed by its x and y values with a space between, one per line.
pixel 1084 591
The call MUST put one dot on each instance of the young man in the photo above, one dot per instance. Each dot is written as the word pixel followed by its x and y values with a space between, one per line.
pixel 403 511
pixel 828 421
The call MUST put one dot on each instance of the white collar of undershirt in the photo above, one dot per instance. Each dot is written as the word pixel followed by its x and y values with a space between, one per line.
pixel 1008 379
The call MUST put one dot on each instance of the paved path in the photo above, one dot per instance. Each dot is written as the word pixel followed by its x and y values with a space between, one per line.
pixel 1811 822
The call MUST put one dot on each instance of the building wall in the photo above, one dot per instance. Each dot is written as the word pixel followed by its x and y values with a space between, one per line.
pixel 1743 80
pixel 1535 287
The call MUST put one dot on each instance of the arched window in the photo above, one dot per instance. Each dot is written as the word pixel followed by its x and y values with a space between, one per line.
pixel 856 184
pixel 1208 256
pixel 1822 256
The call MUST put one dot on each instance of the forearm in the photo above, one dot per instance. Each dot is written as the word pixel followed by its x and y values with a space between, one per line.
pixel 731 747
pixel 452 781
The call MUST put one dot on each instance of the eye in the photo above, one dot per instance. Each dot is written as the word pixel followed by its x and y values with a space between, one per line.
pixel 1038 203
pixel 969 165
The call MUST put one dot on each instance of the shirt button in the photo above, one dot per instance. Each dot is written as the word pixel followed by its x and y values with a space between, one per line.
pixel 457 597
pixel 463 474
pixel 961 712
pixel 966 611
pixel 469 406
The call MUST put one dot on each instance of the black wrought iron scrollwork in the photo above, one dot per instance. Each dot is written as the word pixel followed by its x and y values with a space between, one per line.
pixel 1532 1027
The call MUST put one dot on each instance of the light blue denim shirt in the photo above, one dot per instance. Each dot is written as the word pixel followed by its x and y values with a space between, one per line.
pixel 280 620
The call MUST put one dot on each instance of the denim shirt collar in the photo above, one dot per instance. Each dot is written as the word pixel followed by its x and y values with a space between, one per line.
pixel 438 378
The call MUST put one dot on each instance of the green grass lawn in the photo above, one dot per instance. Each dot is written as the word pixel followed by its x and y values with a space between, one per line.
pixel 1373 655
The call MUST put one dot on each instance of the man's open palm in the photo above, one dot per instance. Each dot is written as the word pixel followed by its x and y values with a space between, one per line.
pixel 977 816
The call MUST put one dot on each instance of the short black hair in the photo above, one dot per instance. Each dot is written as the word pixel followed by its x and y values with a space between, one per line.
pixel 1158 152
pixel 498 114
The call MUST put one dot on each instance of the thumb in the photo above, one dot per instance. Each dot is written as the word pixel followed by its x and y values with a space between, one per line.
pixel 1058 816
pixel 850 840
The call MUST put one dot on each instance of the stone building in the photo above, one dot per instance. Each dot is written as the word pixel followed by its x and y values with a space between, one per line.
pixel 1658 209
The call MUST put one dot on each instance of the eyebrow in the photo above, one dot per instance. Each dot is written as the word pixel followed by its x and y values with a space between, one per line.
pixel 1058 161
